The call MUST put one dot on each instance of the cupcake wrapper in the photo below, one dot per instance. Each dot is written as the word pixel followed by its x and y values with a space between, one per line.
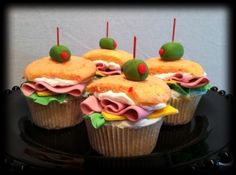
pixel 56 115
pixel 186 107
pixel 123 142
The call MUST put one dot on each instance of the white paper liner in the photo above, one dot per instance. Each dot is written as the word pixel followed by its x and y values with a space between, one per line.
pixel 56 115
pixel 186 107
pixel 113 141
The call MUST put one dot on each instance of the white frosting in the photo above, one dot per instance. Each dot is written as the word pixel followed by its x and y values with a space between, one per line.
pixel 110 65
pixel 138 124
pixel 154 107
pixel 123 98
pixel 168 75
pixel 119 97
pixel 56 81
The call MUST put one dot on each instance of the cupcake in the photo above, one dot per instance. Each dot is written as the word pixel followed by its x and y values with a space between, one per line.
pixel 108 59
pixel 187 79
pixel 54 87
pixel 124 113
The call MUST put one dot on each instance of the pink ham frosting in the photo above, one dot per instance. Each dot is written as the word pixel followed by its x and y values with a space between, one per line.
pixel 106 71
pixel 90 105
pixel 132 113
pixel 111 72
pixel 30 88
pixel 101 66
pixel 189 81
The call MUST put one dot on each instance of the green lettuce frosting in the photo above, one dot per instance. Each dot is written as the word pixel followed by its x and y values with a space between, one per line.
pixel 190 91
pixel 178 88
pixel 45 100
pixel 96 119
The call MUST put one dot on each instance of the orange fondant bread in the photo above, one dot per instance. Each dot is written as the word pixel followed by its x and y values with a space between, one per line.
pixel 148 92
pixel 117 56
pixel 157 65
pixel 76 68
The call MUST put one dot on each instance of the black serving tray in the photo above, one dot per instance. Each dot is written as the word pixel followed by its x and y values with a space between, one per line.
pixel 193 145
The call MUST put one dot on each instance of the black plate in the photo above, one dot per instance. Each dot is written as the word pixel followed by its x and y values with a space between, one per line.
pixel 69 149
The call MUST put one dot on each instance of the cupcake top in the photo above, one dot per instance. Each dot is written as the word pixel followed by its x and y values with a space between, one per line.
pixel 121 102
pixel 184 76
pixel 108 59
pixel 57 77
pixel 49 80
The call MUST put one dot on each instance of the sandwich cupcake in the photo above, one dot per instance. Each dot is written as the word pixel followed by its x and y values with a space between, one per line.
pixel 125 112
pixel 122 116
pixel 54 87
pixel 108 59
pixel 187 79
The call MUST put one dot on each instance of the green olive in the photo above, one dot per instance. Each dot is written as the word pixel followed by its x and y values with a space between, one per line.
pixel 107 43
pixel 171 51
pixel 136 70
pixel 60 53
